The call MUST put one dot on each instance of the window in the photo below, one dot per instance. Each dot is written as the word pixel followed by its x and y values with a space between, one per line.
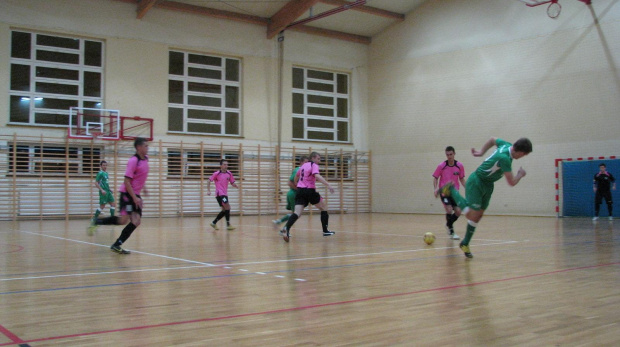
pixel 54 159
pixel 320 105
pixel 51 73
pixel 336 167
pixel 204 94
pixel 190 164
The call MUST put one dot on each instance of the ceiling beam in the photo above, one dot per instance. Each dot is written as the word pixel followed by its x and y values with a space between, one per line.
pixel 331 34
pixel 144 6
pixel 287 15
pixel 209 12
pixel 367 9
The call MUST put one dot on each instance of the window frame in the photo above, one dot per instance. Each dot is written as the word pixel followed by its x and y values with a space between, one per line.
pixel 185 107
pixel 49 160
pixel 185 166
pixel 35 100
pixel 305 115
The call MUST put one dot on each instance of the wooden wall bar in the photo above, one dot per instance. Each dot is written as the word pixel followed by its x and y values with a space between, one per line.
pixel 52 177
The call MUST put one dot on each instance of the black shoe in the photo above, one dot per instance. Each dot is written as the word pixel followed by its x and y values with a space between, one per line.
pixel 465 249
pixel 329 233
pixel 118 249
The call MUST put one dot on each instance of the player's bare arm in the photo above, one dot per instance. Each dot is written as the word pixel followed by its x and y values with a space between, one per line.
pixel 322 180
pixel 485 147
pixel 514 179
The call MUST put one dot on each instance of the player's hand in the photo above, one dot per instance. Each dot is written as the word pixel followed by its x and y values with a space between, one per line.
pixel 331 190
pixel 146 192
pixel 521 172
pixel 476 153
pixel 436 193
pixel 208 192
pixel 139 203
pixel 103 192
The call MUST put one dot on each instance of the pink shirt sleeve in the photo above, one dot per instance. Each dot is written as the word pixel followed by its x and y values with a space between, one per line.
pixel 131 167
pixel 437 172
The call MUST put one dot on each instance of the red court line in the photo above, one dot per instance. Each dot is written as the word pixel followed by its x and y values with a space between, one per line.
pixel 6 332
pixel 304 307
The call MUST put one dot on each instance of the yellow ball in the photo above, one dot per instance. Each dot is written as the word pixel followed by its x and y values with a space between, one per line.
pixel 429 238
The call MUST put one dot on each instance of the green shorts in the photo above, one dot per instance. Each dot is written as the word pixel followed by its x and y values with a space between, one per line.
pixel 478 192
pixel 290 200
pixel 107 198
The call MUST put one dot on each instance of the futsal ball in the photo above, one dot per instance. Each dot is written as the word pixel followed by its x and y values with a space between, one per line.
pixel 429 238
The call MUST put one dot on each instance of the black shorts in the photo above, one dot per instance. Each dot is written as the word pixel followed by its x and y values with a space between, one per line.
pixel 222 199
pixel 127 205
pixel 305 196
pixel 598 198
pixel 448 200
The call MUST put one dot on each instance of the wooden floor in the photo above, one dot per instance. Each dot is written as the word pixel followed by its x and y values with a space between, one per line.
pixel 532 281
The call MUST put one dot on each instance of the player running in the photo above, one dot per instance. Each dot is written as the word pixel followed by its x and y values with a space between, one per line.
pixel 479 186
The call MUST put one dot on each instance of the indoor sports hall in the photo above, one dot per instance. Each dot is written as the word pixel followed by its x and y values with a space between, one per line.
pixel 377 89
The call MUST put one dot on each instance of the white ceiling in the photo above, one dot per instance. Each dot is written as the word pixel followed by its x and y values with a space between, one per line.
pixel 349 22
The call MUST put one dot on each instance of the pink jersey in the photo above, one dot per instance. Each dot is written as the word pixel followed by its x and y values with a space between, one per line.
pixel 447 173
pixel 221 180
pixel 137 170
pixel 306 175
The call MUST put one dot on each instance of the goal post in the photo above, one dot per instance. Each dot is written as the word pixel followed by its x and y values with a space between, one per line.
pixel 574 177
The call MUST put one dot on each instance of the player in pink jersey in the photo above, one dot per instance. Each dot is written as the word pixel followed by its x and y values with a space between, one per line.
pixel 221 179
pixel 130 201
pixel 449 171
pixel 305 180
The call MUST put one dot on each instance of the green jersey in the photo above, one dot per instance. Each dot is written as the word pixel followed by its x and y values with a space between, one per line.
pixel 493 167
pixel 292 178
pixel 102 180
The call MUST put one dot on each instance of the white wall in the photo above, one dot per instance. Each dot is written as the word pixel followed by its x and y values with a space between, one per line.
pixel 137 61
pixel 457 72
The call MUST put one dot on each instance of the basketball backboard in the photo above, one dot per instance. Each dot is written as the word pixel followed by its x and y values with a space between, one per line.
pixel 94 123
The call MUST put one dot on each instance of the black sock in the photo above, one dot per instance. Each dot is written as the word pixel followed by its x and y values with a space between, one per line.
pixel 449 220
pixel 227 215
pixel 610 208
pixel 113 220
pixel 291 221
pixel 324 220
pixel 219 216
pixel 454 218
pixel 125 233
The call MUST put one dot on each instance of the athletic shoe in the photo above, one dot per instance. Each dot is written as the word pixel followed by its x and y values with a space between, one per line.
pixel 611 218
pixel 465 250
pixel 445 189
pixel 329 233
pixel 276 222
pixel 91 229
pixel 595 218
pixel 454 236
pixel 214 226
pixel 119 250
pixel 230 227
pixel 285 234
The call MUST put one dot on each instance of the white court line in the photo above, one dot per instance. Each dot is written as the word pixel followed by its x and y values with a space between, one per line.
pixel 364 232
pixel 228 266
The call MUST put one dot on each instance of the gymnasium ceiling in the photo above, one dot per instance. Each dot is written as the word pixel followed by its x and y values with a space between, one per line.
pixel 350 20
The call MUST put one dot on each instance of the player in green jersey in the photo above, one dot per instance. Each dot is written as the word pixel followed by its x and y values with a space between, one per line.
pixel 290 196
pixel 105 194
pixel 479 186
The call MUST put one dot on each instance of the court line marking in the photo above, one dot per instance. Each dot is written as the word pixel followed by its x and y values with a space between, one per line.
pixel 310 307
pixel 361 232
pixel 225 266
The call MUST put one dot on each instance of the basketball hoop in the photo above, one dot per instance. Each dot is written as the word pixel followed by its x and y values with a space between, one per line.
pixel 554 9
pixel 96 135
